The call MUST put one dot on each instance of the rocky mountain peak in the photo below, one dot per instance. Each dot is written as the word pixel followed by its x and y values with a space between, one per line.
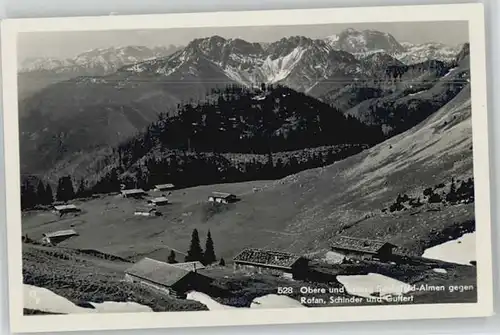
pixel 287 44
pixel 464 52
pixel 355 41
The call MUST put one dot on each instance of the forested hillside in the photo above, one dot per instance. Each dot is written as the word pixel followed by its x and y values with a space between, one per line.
pixel 234 134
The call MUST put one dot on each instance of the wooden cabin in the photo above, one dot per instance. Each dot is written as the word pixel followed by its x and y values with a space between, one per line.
pixel 273 262
pixel 221 197
pixel 160 201
pixel 164 187
pixel 66 209
pixel 133 193
pixel 166 278
pixel 361 248
pixel 190 266
pixel 147 212
pixel 56 237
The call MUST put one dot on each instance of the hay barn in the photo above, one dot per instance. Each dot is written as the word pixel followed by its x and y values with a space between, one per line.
pixel 190 266
pixel 221 197
pixel 66 209
pixel 58 236
pixel 147 212
pixel 164 187
pixel 273 262
pixel 160 201
pixel 133 193
pixel 366 249
pixel 166 278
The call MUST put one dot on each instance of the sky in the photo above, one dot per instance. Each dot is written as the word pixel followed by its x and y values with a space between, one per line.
pixel 70 44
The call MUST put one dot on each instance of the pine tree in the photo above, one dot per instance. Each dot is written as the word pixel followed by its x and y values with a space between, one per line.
pixel 81 189
pixel 65 189
pixel 171 257
pixel 452 194
pixel 28 195
pixel 49 196
pixel 40 194
pixel 209 256
pixel 222 262
pixel 195 253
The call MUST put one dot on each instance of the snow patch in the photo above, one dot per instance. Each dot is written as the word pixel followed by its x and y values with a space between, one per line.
pixel 460 251
pixel 206 300
pixel 41 299
pixel 373 285
pixel 275 301
pixel 416 93
pixel 450 72
pixel 267 301
pixel 278 69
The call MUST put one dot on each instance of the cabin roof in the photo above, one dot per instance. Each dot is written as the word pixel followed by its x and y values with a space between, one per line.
pixel 267 258
pixel 159 199
pixel 157 272
pixel 69 232
pixel 145 209
pixel 63 207
pixel 133 191
pixel 223 195
pixel 190 266
pixel 359 244
pixel 164 186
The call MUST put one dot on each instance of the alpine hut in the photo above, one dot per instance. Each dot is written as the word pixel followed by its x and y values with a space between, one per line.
pixel 160 201
pixel 271 261
pixel 133 193
pixel 221 197
pixel 166 278
pixel 190 266
pixel 164 187
pixel 65 209
pixel 56 237
pixel 360 248
pixel 147 212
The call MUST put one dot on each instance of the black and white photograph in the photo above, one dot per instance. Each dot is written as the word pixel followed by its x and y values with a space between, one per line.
pixel 218 168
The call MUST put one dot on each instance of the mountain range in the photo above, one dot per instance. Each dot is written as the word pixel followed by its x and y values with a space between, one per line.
pixel 35 73
pixel 96 61
pixel 85 114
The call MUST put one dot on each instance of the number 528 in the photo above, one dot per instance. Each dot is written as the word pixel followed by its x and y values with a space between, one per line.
pixel 285 290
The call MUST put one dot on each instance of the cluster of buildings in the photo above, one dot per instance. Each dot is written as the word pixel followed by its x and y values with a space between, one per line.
pixel 150 208
pixel 177 279
pixel 215 197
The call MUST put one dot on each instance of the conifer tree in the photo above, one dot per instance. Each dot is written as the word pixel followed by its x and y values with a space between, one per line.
pixel 195 253
pixel 171 257
pixel 222 262
pixel 49 196
pixel 28 195
pixel 80 193
pixel 209 256
pixel 65 189
pixel 40 194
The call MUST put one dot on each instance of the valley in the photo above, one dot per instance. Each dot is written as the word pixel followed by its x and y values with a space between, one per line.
pixel 351 136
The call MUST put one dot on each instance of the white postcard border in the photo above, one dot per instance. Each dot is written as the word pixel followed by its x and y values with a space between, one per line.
pixel 473 13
